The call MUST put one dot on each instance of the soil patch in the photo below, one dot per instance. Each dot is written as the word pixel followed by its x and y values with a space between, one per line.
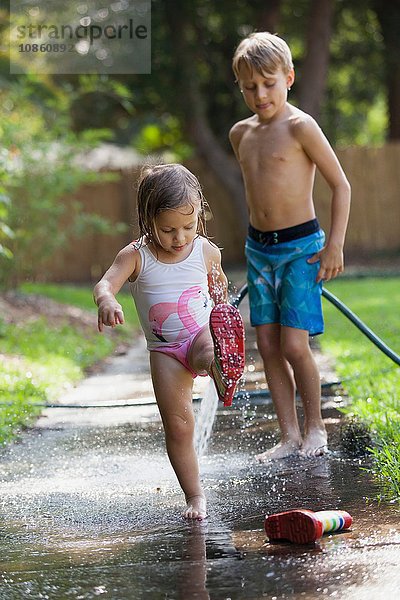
pixel 17 308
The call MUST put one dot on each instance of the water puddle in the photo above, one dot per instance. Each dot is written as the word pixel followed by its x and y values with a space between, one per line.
pixel 90 507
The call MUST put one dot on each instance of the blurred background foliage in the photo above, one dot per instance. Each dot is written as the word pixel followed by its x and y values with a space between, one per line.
pixel 347 61
pixel 39 164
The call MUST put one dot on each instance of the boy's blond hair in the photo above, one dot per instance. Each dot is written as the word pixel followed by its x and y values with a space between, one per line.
pixel 264 52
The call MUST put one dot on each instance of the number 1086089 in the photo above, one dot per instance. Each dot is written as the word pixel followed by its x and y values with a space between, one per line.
pixel 46 48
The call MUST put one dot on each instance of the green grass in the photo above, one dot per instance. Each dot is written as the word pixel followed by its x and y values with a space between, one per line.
pixel 374 380
pixel 80 296
pixel 41 359
pixel 66 294
pixel 19 396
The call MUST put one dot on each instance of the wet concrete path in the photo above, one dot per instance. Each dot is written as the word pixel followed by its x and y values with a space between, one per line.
pixel 89 505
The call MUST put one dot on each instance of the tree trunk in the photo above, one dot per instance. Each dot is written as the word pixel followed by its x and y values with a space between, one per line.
pixel 388 13
pixel 315 66
pixel 270 16
pixel 192 105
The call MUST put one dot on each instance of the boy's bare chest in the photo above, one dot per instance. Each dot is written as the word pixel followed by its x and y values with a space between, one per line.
pixel 266 149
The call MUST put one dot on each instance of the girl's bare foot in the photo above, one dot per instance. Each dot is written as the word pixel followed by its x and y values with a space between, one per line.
pixel 196 508
pixel 281 450
pixel 315 443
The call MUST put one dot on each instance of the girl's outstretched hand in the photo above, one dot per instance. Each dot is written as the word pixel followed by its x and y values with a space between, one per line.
pixel 110 313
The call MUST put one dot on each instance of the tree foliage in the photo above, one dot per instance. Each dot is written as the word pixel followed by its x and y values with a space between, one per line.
pixel 354 109
pixel 192 47
pixel 190 101
pixel 38 167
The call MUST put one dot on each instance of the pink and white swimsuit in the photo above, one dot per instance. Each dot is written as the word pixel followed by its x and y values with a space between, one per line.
pixel 172 301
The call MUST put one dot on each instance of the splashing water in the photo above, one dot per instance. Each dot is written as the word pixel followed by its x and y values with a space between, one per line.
pixel 209 404
pixel 205 419
pixel 216 284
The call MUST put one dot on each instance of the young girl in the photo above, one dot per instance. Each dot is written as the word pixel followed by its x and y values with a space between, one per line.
pixel 175 273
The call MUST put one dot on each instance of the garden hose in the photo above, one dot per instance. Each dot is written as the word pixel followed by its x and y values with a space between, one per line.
pixel 246 395
pixel 349 314
pixel 361 326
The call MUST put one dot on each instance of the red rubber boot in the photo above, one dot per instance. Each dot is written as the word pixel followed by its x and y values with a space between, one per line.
pixel 227 330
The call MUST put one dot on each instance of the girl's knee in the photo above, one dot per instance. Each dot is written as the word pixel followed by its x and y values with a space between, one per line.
pixel 179 429
pixel 201 356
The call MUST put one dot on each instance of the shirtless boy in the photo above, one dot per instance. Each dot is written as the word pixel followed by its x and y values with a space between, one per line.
pixel 279 148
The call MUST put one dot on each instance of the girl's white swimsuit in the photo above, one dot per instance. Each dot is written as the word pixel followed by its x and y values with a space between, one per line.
pixel 172 299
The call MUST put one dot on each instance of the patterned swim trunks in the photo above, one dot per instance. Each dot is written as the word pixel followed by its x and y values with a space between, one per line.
pixel 282 284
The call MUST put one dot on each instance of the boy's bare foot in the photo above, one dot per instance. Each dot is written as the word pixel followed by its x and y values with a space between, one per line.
pixel 315 443
pixel 196 508
pixel 281 450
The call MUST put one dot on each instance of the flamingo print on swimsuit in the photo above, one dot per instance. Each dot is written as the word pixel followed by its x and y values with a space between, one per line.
pixel 159 313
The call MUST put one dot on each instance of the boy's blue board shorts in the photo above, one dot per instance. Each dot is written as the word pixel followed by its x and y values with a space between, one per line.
pixel 281 283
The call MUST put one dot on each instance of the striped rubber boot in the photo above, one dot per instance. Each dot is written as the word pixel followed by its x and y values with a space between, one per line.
pixel 303 526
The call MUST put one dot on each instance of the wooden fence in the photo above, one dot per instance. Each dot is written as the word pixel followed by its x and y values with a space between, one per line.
pixel 374 227
pixel 374 174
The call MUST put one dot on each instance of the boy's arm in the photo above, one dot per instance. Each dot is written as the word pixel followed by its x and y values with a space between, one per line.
pixel 235 135
pixel 320 152
pixel 125 265
pixel 217 280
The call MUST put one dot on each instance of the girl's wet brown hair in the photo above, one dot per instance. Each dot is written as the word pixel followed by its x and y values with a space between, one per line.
pixel 167 187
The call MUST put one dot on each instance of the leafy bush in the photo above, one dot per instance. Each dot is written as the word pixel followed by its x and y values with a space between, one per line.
pixel 38 168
